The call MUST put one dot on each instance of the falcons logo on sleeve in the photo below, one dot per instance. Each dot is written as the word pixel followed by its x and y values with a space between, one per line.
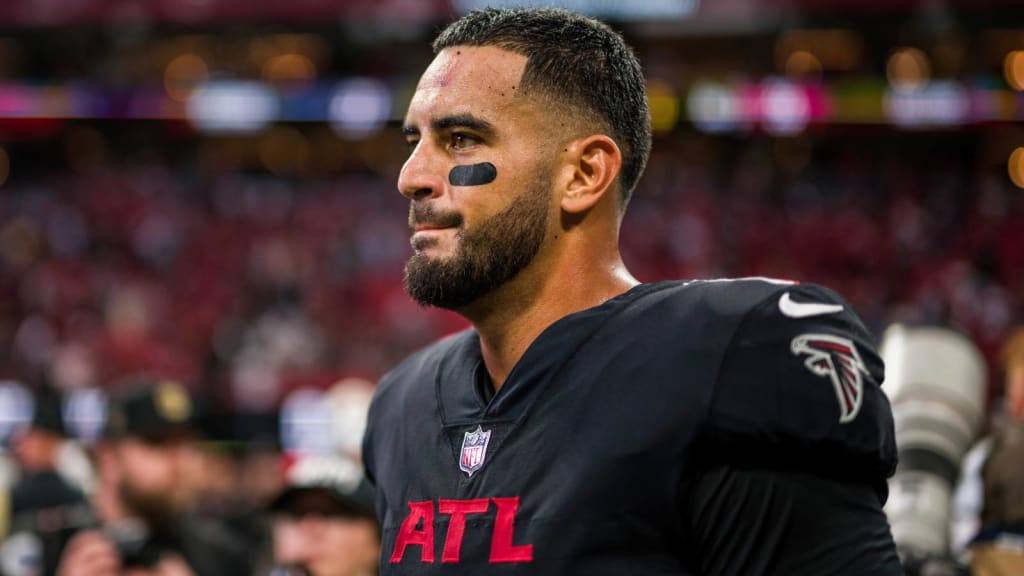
pixel 837 358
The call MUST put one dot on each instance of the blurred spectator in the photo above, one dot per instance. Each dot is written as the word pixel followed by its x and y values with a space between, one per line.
pixel 45 507
pixel 999 547
pixel 324 522
pixel 990 498
pixel 143 495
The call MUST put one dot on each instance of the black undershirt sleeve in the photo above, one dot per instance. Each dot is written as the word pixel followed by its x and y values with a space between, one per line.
pixel 759 522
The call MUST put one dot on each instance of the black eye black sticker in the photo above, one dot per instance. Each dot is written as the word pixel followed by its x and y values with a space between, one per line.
pixel 473 174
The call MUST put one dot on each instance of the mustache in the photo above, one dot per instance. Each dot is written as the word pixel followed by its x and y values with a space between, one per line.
pixel 425 214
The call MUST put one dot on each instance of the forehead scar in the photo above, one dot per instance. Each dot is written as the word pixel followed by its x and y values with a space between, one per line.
pixel 473 174
pixel 442 76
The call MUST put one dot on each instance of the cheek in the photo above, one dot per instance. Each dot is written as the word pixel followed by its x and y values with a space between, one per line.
pixel 151 469
pixel 348 544
pixel 290 542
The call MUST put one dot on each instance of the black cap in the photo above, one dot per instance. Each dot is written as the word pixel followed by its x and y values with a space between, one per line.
pixel 47 412
pixel 150 408
pixel 339 479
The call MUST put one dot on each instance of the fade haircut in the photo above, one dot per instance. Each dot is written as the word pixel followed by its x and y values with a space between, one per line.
pixel 578 62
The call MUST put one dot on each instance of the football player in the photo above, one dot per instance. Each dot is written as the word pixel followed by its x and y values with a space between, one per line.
pixel 589 423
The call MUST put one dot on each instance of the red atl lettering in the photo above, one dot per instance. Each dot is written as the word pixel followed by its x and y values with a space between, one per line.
pixel 409 535
pixel 457 526
pixel 502 548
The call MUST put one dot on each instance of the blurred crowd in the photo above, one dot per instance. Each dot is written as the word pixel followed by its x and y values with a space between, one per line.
pixel 247 285
pixel 152 496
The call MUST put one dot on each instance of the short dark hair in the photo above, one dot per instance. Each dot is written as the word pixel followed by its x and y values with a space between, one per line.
pixel 578 61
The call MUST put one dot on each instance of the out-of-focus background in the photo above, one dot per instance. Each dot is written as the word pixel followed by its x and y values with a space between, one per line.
pixel 204 190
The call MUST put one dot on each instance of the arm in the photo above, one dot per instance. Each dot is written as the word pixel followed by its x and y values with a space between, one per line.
pixel 797 448
pixel 754 521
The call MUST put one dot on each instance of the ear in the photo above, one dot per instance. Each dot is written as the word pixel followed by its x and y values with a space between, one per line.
pixel 595 163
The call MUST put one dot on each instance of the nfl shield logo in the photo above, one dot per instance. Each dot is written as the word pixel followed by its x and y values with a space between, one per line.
pixel 474 450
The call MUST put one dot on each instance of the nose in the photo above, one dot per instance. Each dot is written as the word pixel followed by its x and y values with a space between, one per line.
pixel 422 174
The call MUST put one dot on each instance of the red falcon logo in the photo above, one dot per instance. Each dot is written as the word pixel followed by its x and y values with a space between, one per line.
pixel 838 359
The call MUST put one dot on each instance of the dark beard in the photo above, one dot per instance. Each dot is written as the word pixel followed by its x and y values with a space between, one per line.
pixel 158 511
pixel 485 258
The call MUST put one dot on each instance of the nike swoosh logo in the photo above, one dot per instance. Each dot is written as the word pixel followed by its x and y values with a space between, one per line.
pixel 805 309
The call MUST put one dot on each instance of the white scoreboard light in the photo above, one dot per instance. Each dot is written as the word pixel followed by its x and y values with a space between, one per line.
pixel 359 106
pixel 16 409
pixel 85 413
pixel 232 106
pixel 305 423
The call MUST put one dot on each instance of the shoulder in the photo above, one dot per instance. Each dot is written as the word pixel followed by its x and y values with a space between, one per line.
pixel 427 360
pixel 718 299
pixel 44 490
pixel 707 313
pixel 211 548
pixel 800 382
pixel 406 392
pixel 778 297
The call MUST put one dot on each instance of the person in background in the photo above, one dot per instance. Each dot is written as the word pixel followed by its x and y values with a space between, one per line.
pixel 143 524
pixel 45 507
pixel 324 523
pixel 989 500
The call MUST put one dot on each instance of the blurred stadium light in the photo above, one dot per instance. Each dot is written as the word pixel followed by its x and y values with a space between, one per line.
pixel 714 107
pixel 359 106
pixel 1016 167
pixel 1014 69
pixel 938 104
pixel 16 408
pixel 305 423
pixel 785 107
pixel 232 106
pixel 85 411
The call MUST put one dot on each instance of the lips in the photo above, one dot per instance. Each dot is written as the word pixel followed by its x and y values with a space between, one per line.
pixel 429 227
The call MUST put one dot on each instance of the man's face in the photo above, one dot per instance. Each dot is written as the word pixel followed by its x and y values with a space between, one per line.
pixel 311 533
pixel 36 450
pixel 154 480
pixel 472 237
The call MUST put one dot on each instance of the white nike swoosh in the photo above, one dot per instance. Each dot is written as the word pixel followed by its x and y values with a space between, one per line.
pixel 805 309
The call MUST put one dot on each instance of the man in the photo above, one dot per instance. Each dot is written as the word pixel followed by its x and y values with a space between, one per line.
pixel 45 508
pixel 37 449
pixel 590 424
pixel 143 493
pixel 323 523
pixel 989 501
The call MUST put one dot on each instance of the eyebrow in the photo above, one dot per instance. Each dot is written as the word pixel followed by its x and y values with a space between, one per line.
pixel 454 121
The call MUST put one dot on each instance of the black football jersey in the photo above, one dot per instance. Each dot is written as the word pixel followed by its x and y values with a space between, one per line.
pixel 682 428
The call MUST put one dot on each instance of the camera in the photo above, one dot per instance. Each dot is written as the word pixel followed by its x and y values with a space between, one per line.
pixel 936 382
pixel 134 544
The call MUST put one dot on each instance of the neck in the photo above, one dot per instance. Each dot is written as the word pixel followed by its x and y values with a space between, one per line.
pixel 554 286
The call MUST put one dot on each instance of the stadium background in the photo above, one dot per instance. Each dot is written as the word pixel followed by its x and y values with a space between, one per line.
pixel 205 189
